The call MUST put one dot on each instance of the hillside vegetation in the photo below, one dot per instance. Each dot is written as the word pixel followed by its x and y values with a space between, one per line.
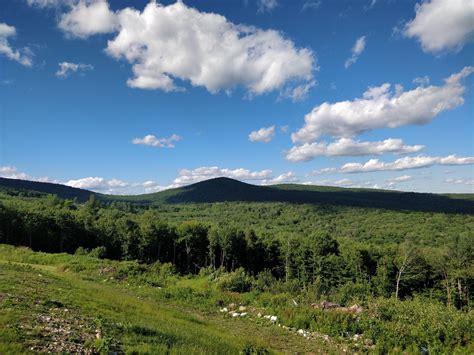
pixel 229 190
pixel 409 271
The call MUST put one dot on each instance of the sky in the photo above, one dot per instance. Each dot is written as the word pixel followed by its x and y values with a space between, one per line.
pixel 130 97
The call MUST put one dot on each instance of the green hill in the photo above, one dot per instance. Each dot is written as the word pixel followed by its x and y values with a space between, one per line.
pixel 36 188
pixel 229 190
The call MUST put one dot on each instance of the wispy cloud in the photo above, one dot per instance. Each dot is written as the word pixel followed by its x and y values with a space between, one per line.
pixel 357 49
pixel 67 68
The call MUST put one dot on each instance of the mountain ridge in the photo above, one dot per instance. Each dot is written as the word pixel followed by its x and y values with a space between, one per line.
pixel 224 189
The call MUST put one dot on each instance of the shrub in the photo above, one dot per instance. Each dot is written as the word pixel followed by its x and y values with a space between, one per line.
pixel 236 281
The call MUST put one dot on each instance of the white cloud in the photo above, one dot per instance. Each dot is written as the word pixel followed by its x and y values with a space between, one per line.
pixel 12 173
pixel 264 135
pixel 405 163
pixel 23 56
pixel 357 50
pixel 350 147
pixel 87 18
pixel 460 181
pixel 380 108
pixel 422 81
pixel 289 177
pixel 267 5
pixel 396 180
pixel 311 5
pixel 158 142
pixel 66 68
pixel 186 176
pixel 400 178
pixel 298 93
pixel 115 186
pixel 168 44
pixel 343 183
pixel 442 24
pixel 49 3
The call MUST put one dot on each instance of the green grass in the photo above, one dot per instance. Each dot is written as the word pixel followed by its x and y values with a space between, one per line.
pixel 89 311
pixel 76 303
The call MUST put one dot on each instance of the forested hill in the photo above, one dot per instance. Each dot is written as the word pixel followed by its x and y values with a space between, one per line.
pixel 35 188
pixel 229 190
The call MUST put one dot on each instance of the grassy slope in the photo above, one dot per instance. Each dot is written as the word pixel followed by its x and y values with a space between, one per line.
pixel 45 306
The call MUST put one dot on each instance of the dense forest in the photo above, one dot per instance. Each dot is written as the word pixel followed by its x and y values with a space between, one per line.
pixel 337 252
pixel 408 273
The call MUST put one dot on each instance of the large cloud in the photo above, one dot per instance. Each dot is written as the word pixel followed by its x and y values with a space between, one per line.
pixel 381 108
pixel 442 24
pixel 404 163
pixel 23 56
pixel 168 44
pixel 349 147
pixel 87 18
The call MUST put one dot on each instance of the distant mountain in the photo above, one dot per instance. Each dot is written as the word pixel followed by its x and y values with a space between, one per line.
pixel 229 190
pixel 32 187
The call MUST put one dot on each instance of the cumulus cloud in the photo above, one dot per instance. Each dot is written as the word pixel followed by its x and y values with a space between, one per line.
pixel 267 5
pixel 405 163
pixel 169 44
pixel 289 177
pixel 350 147
pixel 87 18
pixel 187 176
pixel 11 172
pixel 23 56
pixel 264 135
pixel 67 68
pixel 381 108
pixel 151 140
pixel 441 25
pixel 357 50
pixel 115 186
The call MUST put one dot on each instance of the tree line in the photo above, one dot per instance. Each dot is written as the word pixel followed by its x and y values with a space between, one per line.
pixel 315 261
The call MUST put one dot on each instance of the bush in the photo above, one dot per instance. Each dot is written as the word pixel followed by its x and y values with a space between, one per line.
pixel 236 281
pixel 265 282
pixel 99 252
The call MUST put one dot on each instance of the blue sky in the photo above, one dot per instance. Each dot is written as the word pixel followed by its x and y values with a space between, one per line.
pixel 138 96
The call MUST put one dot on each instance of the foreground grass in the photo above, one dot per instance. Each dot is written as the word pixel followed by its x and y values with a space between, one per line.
pixel 77 303
pixel 64 303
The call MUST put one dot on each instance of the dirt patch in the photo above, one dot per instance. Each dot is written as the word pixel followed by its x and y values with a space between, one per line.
pixel 106 270
pixel 61 332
